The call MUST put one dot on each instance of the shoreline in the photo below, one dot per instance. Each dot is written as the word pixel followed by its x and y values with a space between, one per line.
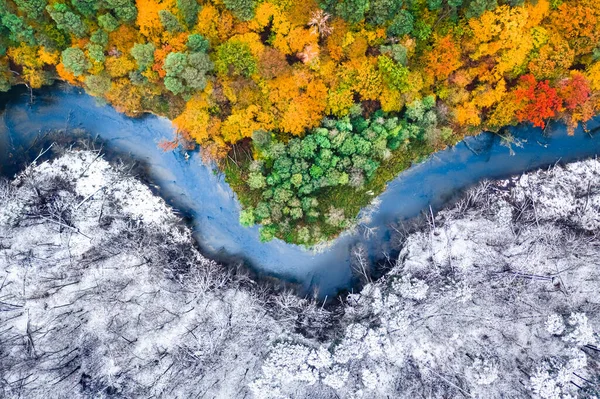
pixel 301 275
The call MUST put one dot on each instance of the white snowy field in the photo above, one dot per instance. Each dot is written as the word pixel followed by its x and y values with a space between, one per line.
pixel 103 294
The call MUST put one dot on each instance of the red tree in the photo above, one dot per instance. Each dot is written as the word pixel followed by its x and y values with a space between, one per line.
pixel 537 101
pixel 574 91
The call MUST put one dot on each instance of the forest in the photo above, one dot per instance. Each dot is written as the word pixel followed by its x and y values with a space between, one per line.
pixel 310 107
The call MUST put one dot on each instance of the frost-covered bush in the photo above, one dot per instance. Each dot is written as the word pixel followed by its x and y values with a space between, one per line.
pixel 555 324
pixel 13 206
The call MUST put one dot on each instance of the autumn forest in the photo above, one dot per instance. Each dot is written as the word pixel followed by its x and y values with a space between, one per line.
pixel 308 107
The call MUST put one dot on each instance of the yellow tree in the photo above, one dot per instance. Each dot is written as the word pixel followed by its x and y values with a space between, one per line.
pixel 504 36
pixel 148 19
pixel 243 122
pixel 194 120
pixel 299 102
pixel 553 58
pixel 579 22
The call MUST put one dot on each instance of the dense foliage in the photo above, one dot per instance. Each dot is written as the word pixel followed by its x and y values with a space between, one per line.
pixel 223 70
pixel 343 153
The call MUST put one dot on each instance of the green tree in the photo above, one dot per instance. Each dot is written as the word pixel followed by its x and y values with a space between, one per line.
pixel 296 213
pixel 96 52
pixel 256 180
pixel 19 31
pixel 402 24
pixel 296 179
pixel 381 11
pixel 75 61
pixel 186 71
pixel 4 83
pixel 53 38
pixel 370 167
pixel 262 211
pixel 197 43
pixel 137 78
pixel 97 85
pixel 477 7
pixel 174 84
pixel 5 77
pixel 416 110
pixel 308 203
pixel 434 5
pixel 352 10
pixel 398 52
pixel 316 171
pixel 422 30
pixel 362 146
pixel 125 10
pixel 282 195
pixel 304 235
pixel 247 217
pixel 108 22
pixel 86 8
pixel 143 55
pixel 99 37
pixel 175 63
pixel 267 233
pixel 344 179
pixel 308 147
pixel 33 8
pixel 242 9
pixel 294 148
pixel 169 21
pixel 199 64
pixel 234 58
pixel 321 138
pixel 66 20
pixel 348 147
pixel 282 166
pixel 394 75
pixel 188 11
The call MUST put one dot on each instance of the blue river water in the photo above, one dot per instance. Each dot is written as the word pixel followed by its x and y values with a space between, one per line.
pixel 201 192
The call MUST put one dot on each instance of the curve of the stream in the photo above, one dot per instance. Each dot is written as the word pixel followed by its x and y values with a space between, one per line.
pixel 191 185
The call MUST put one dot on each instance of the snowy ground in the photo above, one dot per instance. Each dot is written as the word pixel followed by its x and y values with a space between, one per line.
pixel 102 294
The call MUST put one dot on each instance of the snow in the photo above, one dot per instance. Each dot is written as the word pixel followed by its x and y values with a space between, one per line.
pixel 102 290
pixel 103 294
pixel 582 333
pixel 555 324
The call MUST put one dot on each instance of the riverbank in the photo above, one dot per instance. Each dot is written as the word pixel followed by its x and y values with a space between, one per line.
pixel 104 293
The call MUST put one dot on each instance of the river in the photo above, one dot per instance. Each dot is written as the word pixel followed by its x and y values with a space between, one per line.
pixel 202 194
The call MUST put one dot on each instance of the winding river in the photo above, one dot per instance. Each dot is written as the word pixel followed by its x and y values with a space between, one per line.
pixel 201 193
